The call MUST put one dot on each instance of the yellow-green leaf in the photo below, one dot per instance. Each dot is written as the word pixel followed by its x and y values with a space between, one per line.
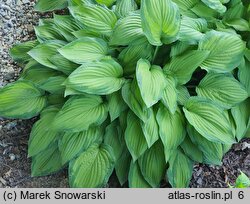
pixel 124 7
pixel 95 17
pixel 241 115
pixel 42 133
pixel 130 56
pixel 73 144
pixel 43 52
pixel 212 151
pixel 47 162
pixel 50 5
pixel 151 82
pixel 128 30
pixel 92 168
pixel 84 50
pixel 223 89
pixel 150 128
pixel 134 137
pixel 171 127
pixel 101 77
pixel 160 21
pixel 116 105
pixel 135 177
pixel 21 99
pixel 80 112
pixel 226 51
pixel 19 51
pixel 209 120
pixel 180 170
pixel 131 95
pixel 152 164
pixel 170 94
pixel 183 66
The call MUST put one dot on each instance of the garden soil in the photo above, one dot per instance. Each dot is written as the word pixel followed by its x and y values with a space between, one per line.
pixel 17 18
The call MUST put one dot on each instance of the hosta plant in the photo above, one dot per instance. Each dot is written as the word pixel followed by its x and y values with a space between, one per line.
pixel 141 89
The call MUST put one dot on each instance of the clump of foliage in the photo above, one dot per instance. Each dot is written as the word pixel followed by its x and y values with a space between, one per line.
pixel 143 88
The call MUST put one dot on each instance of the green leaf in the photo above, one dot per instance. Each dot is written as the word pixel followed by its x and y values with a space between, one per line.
pixel 242 181
pixel 46 21
pixel 84 50
pixel 241 115
pixel 212 152
pixel 192 150
pixel 226 51
pixel 116 105
pixel 135 177
pixel 43 52
pixel 171 127
pixel 128 30
pixel 66 25
pixel 42 134
pixel 123 121
pixel 101 77
pixel 54 85
pixel 215 5
pixel 46 162
pixel 81 112
pixel 124 7
pixel 183 66
pixel 86 33
pixel 37 73
pixel 73 144
pixel 186 5
pixel 152 164
pixel 150 129
pixel 62 64
pixel 50 5
pixel 203 11
pixel 48 32
pixel 134 137
pixel 80 2
pixel 160 21
pixel 19 51
pixel 180 48
pixel 151 82
pixel 130 56
pixel 108 3
pixel 192 29
pixel 239 24
pixel 122 166
pixel 236 10
pixel 112 138
pixel 180 170
pixel 244 74
pixel 209 120
pixel 21 99
pixel 226 148
pixel 223 89
pixel 92 168
pixel 170 94
pixel 95 18
pixel 183 95
pixel 131 95
pixel 56 99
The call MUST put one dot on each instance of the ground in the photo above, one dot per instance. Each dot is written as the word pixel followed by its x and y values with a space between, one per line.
pixel 17 18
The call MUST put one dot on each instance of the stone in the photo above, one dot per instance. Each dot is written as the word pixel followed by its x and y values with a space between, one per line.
pixel 9 75
pixel 12 157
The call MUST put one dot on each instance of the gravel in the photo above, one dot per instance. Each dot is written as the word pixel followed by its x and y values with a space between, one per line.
pixel 17 21
pixel 17 18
